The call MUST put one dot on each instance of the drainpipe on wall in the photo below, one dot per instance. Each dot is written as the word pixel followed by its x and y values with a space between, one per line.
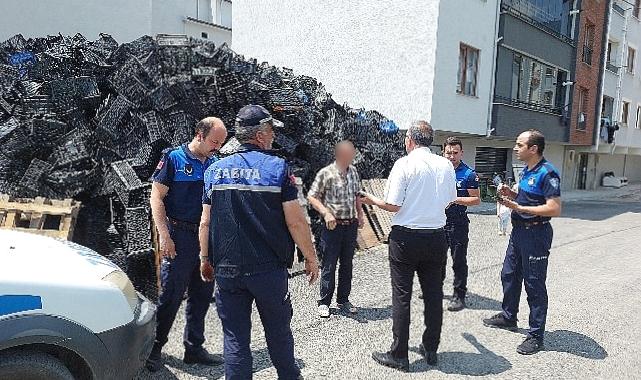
pixel 619 100
pixel 490 107
pixel 604 49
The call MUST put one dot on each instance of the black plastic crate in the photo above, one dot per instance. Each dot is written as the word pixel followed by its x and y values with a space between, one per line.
pixel 154 126
pixel 32 178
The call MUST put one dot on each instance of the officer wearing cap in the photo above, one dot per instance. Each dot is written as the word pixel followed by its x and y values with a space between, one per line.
pixel 457 226
pixel 176 196
pixel 250 221
pixel 538 200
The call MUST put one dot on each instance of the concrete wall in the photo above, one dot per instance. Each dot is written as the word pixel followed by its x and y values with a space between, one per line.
pixel 476 28
pixel 125 20
pixel 374 54
pixel 215 34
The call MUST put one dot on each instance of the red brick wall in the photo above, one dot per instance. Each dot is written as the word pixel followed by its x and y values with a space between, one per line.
pixel 587 76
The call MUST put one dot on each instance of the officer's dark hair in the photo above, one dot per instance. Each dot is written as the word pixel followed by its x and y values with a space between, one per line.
pixel 421 133
pixel 453 141
pixel 535 137
pixel 205 125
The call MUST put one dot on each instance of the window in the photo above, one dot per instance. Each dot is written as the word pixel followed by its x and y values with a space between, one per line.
pixel 204 35
pixel 467 70
pixel 631 56
pixel 607 107
pixel 611 57
pixel 637 125
pixel 625 113
pixel 635 10
pixel 588 43
pixel 582 117
pixel 536 83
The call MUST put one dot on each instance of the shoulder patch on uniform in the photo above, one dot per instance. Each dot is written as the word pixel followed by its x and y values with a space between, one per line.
pixel 161 163
pixel 554 182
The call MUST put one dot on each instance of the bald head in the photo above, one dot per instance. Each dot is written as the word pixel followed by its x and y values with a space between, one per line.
pixel 205 126
pixel 210 136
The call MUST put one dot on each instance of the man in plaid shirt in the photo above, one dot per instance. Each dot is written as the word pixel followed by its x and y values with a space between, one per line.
pixel 334 194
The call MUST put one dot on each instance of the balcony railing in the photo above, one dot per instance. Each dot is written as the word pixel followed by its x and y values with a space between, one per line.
pixel 611 67
pixel 618 9
pixel 587 54
pixel 527 105
pixel 533 15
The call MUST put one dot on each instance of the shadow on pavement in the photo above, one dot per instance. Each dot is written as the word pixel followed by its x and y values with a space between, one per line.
pixel 597 210
pixel 483 363
pixel 479 302
pixel 574 343
pixel 261 361
pixel 367 314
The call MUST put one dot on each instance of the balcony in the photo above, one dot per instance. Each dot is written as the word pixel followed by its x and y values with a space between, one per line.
pixel 612 68
pixel 527 11
pixel 557 110
pixel 618 9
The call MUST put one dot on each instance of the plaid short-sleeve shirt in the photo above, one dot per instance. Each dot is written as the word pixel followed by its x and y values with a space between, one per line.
pixel 337 191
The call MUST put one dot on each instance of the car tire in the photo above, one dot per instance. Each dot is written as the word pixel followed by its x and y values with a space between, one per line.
pixel 32 365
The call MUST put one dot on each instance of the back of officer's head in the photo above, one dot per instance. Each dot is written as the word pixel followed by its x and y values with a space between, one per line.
pixel 254 124
pixel 535 137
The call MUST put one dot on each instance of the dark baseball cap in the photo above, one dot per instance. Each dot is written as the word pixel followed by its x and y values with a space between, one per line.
pixel 254 115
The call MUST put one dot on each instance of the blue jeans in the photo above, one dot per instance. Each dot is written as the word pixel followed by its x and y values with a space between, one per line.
pixel 337 247
pixel 234 298
pixel 526 260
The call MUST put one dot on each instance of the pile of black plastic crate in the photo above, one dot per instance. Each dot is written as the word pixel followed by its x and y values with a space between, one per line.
pixel 89 119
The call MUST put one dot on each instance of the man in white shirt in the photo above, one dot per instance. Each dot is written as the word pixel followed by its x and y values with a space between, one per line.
pixel 419 188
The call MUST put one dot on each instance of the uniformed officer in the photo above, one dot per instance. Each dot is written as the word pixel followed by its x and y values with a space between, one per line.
pixel 526 260
pixel 176 196
pixel 458 224
pixel 251 219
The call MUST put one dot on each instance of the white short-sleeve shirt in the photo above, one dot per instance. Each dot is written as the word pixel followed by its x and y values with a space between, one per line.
pixel 423 184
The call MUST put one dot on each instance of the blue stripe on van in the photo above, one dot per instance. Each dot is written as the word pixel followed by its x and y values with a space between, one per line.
pixel 15 303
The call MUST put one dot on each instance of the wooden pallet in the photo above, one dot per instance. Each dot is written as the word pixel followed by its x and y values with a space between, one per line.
pixel 42 216
pixel 380 220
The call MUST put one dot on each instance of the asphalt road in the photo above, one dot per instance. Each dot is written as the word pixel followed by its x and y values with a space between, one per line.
pixel 594 282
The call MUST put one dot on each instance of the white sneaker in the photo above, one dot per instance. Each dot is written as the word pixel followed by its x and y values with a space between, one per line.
pixel 323 311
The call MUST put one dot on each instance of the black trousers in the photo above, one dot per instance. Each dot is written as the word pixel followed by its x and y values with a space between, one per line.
pixel 457 230
pixel 423 252
pixel 337 247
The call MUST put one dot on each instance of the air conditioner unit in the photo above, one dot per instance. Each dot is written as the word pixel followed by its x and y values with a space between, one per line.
pixel 571 154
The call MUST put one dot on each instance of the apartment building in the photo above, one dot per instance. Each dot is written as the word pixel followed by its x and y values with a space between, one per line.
pixel 125 20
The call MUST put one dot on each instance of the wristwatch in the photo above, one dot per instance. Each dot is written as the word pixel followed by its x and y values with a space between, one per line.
pixel 204 258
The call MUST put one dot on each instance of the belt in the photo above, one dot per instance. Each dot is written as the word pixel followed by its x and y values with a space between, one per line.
pixel 518 223
pixel 346 222
pixel 425 231
pixel 184 225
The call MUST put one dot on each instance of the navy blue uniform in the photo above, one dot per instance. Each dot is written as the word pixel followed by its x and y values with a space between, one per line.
pixel 251 248
pixel 527 253
pixel 183 173
pixel 457 228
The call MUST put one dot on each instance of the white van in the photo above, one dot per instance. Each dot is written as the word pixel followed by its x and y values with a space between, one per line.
pixel 68 313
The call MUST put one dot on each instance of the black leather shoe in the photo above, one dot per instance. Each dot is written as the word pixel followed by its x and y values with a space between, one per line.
pixel 456 304
pixel 430 356
pixel 386 359
pixel 530 346
pixel 202 357
pixel 154 362
pixel 499 321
